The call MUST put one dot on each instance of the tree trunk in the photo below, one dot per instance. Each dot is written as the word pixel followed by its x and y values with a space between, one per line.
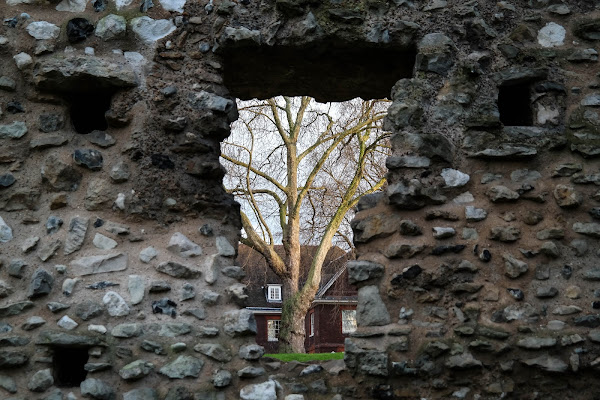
pixel 293 313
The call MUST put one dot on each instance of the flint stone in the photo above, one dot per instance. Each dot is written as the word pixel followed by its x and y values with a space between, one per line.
pixel 177 270
pixel 261 391
pixel 88 309
pixel 592 100
pixel 546 292
pixel 182 367
pixel 97 389
pixel 407 162
pixel 183 247
pixel 551 233
pixel 8 84
pixel 567 197
pixel 55 307
pixel 119 172
pixel 454 177
pixel 566 310
pixel 89 158
pixel 42 30
pixel 102 139
pixel 67 323
pixel 224 248
pixel 16 268
pixel 115 304
pixel 536 343
pixel 111 27
pixel 99 264
pixel 41 284
pixel 547 363
pixel 7 180
pixel 239 323
pixel 473 214
pixel 60 176
pixel 250 372
pixel 168 329
pixel 505 233
pixel 551 35
pixel 403 250
pixel 6 234
pixel 514 268
pixel 148 254
pixel 501 194
pixel 14 130
pixel 104 242
pixel 15 308
pixel 214 351
pixel 136 288
pixel 374 227
pixel 51 122
pixel 41 380
pixel 198 313
pixel 82 74
pixel 251 352
pixel 463 361
pixel 141 394
pixel 126 330
pixel 234 272
pixel 589 229
pixel 361 271
pixel 443 232
pixel 11 359
pixel 371 310
pixel 136 370
pixel 221 378
pixel 150 30
pixel 23 60
pixel 8 384
pixel 76 234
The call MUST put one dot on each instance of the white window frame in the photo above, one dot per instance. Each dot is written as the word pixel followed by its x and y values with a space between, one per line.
pixel 311 332
pixel 274 293
pixel 273 327
pixel 348 318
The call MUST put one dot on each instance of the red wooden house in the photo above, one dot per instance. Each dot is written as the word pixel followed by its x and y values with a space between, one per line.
pixel 332 316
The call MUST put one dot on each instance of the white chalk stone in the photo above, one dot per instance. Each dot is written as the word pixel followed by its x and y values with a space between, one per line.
pixel 43 30
pixel 150 30
pixel 97 328
pixel 6 234
pixel 111 27
pixel 104 242
pixel 551 35
pixel 74 6
pixel 120 4
pixel 173 5
pixel 23 60
pixel 454 177
pixel 115 304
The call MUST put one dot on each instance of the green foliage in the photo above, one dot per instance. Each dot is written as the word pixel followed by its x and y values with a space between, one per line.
pixel 306 357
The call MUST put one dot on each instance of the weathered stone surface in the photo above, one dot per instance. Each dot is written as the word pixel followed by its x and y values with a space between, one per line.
pixel 126 330
pixel 14 130
pixel 463 361
pixel 99 264
pixel 136 370
pixel 115 304
pixel 88 309
pixel 239 323
pixel 12 359
pixel 67 323
pixel 261 391
pixel 111 27
pixel 183 247
pixel 41 284
pixel 182 367
pixel 150 30
pixel 375 226
pixel 473 214
pixel 501 194
pixel 15 308
pixel 251 352
pixel 7 383
pixel 535 343
pixel 59 176
pixel 454 178
pixel 98 194
pixel 547 363
pixel 514 268
pixel 141 394
pixel 104 242
pixel 76 234
pixel 97 389
pixel 177 270
pixel 371 310
pixel 567 197
pixel 505 233
pixel 82 73
pixel 214 351
pixel 403 250
pixel 40 381
pixel 443 232
pixel 361 271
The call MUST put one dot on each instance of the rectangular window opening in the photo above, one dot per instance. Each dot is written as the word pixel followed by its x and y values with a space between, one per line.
pixel 348 321
pixel 311 331
pixel 273 326
pixel 68 365
pixel 514 104
pixel 274 293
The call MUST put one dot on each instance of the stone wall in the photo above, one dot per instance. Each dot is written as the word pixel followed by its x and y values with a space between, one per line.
pixel 477 266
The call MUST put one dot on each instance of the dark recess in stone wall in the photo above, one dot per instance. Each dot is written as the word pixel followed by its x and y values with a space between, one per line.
pixel 326 73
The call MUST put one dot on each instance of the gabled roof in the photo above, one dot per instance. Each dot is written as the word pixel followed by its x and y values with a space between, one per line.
pixel 259 275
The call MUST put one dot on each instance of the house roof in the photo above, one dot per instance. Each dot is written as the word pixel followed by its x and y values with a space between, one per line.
pixel 258 275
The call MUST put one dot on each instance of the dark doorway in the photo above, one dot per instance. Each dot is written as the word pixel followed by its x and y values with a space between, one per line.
pixel 69 366
pixel 87 111
pixel 514 104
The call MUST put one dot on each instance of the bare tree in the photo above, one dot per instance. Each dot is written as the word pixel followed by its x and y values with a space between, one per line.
pixel 298 167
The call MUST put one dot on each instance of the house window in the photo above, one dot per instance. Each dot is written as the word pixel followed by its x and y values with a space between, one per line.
pixel 273 330
pixel 311 331
pixel 274 293
pixel 348 321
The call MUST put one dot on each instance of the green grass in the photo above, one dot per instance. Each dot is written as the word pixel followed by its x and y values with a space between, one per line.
pixel 306 357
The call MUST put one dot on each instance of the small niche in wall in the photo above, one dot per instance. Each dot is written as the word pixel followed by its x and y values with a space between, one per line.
pixel 69 366
pixel 514 104
pixel 87 111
